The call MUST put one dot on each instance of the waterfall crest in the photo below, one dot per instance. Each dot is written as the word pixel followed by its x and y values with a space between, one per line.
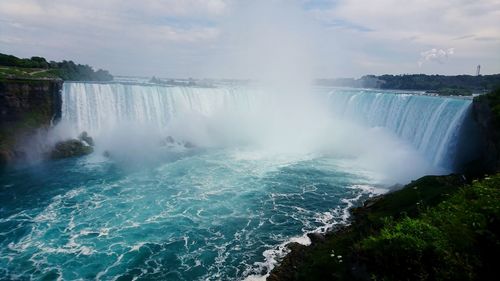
pixel 430 124
pixel 93 107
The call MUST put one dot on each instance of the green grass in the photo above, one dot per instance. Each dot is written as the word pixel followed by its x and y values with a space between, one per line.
pixel 27 73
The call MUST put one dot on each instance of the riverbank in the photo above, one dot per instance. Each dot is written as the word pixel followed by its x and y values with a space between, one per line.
pixel 435 227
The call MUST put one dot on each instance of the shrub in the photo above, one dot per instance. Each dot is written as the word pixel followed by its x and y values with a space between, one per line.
pixel 456 240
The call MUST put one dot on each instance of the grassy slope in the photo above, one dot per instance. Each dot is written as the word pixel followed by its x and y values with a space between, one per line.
pixel 456 240
pixel 27 73
pixel 434 228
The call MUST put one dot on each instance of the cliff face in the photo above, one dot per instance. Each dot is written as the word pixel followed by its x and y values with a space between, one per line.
pixel 487 116
pixel 26 106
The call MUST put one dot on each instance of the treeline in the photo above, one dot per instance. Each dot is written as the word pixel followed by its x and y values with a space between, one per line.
pixel 441 84
pixel 66 70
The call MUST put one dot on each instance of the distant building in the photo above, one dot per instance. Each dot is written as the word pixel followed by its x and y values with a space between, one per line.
pixel 478 71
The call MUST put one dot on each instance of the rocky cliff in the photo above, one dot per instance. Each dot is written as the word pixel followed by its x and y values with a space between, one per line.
pixel 26 107
pixel 486 113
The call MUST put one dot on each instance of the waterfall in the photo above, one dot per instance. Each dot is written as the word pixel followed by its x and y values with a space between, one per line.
pixel 431 124
pixel 94 107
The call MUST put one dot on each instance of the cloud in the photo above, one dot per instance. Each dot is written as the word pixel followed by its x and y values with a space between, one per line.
pixel 435 55
pixel 429 23
pixel 176 37
pixel 125 36
pixel 127 8
pixel 170 19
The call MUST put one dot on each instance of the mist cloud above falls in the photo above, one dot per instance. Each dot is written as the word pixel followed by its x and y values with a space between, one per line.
pixel 275 44
pixel 270 41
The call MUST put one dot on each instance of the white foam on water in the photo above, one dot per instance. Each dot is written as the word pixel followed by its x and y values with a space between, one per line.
pixel 339 216
pixel 258 147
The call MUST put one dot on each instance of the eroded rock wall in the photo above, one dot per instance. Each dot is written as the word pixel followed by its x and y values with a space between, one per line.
pixel 26 106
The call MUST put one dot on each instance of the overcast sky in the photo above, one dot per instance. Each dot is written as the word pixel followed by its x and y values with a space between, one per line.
pixel 228 38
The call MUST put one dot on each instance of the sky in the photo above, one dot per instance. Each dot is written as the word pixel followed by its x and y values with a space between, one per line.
pixel 242 39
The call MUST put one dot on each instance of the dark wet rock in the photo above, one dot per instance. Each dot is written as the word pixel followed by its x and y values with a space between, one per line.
pixel 316 237
pixel 70 148
pixel 167 141
pixel 371 201
pixel 188 144
pixel 288 266
pixel 170 141
pixel 86 138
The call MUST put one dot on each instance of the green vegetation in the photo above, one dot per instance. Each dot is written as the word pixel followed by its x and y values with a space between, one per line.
pixel 33 62
pixel 436 228
pixel 439 84
pixel 457 91
pixel 456 240
pixel 40 68
pixel 27 73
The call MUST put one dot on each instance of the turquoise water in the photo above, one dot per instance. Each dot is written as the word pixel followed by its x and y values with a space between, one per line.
pixel 264 170
pixel 198 214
